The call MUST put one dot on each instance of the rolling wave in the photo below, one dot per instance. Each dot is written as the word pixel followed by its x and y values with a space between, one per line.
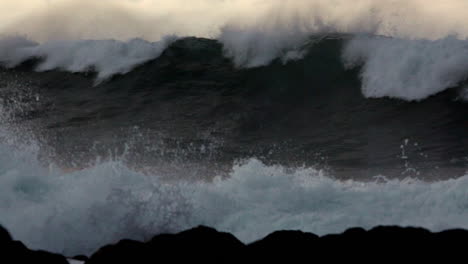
pixel 309 110
pixel 301 114
pixel 391 67
pixel 104 139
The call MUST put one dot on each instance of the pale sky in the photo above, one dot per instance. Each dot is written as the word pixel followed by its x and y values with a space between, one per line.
pixel 43 20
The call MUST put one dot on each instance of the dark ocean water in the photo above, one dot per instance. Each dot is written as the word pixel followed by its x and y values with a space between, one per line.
pixel 198 107
pixel 297 143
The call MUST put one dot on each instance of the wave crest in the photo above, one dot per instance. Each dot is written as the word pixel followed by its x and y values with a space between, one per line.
pixel 408 69
pixel 106 57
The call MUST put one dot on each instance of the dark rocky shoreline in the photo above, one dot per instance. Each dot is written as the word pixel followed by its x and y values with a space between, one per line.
pixel 203 244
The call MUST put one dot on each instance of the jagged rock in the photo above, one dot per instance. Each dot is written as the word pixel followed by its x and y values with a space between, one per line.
pixel 16 252
pixel 284 246
pixel 125 251
pixel 206 245
pixel 209 246
pixel 4 236
pixel 202 243
pixel 283 242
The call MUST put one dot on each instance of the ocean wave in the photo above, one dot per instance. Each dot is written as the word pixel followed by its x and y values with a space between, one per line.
pixel 106 57
pixel 78 211
pixel 408 69
pixel 391 67
pixel 267 119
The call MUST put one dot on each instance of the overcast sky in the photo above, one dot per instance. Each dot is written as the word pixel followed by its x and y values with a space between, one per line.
pixel 150 19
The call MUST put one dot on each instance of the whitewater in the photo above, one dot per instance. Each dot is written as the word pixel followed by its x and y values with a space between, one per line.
pixel 428 67
pixel 78 212
pixel 126 119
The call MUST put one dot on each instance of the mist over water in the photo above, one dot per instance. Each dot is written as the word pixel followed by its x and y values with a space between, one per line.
pixel 314 115
pixel 77 212
pixel 151 19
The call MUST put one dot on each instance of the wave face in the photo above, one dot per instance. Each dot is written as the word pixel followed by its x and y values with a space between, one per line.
pixel 194 102
pixel 397 68
pixel 249 133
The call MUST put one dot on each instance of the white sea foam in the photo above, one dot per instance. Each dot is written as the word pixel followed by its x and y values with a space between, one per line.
pixel 464 93
pixel 408 69
pixel 106 57
pixel 251 48
pixel 72 261
pixel 80 211
pixel 254 32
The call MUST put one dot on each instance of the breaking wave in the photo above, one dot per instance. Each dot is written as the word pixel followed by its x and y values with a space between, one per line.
pixel 408 69
pixel 79 211
pixel 106 57
pixel 301 114
pixel 391 67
